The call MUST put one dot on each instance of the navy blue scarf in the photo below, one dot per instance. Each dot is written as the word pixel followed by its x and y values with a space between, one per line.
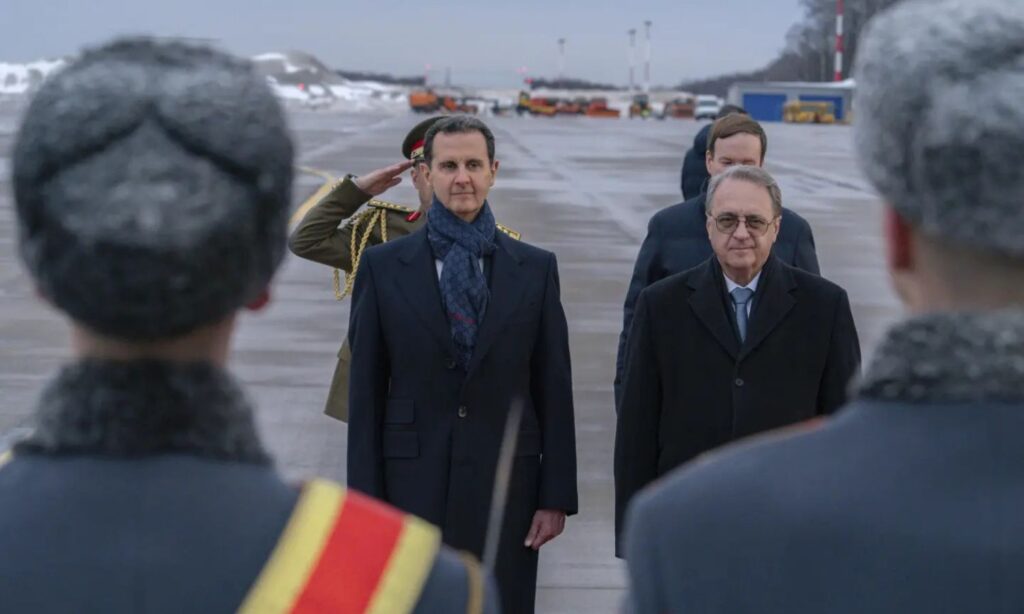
pixel 464 293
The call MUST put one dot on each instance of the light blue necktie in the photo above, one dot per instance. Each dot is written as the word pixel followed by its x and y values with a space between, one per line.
pixel 740 297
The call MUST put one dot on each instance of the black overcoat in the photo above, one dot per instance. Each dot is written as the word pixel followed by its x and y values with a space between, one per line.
pixel 690 384
pixel 424 434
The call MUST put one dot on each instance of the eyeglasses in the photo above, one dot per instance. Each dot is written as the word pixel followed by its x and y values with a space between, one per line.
pixel 727 223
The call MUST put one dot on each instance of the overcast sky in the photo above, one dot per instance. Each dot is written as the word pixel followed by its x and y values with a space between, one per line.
pixel 483 42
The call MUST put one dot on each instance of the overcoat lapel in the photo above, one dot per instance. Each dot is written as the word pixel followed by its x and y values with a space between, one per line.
pixel 773 300
pixel 707 302
pixel 507 291
pixel 419 286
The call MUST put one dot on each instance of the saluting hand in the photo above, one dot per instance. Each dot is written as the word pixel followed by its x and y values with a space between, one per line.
pixel 547 525
pixel 381 180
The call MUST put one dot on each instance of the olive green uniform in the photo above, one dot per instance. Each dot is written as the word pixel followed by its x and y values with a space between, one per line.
pixel 321 237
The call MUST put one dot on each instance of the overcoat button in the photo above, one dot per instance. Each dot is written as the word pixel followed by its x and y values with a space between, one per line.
pixel 462 411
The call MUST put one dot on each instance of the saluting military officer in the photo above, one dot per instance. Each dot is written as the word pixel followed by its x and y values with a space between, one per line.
pixel 152 184
pixel 336 233
pixel 333 233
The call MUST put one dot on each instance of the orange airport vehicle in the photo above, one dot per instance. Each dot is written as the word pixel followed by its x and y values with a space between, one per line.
pixel 570 107
pixel 458 106
pixel 678 108
pixel 424 101
pixel 543 106
pixel 598 107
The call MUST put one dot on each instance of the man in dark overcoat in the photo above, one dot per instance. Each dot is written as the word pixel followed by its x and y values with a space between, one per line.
pixel 677 239
pixel 450 327
pixel 738 345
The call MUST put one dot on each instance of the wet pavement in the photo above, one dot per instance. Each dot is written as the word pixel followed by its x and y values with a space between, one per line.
pixel 583 188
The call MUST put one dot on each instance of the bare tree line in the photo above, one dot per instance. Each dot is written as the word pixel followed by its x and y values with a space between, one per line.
pixel 809 54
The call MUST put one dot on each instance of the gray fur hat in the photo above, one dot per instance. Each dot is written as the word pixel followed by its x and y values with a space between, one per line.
pixel 940 118
pixel 152 185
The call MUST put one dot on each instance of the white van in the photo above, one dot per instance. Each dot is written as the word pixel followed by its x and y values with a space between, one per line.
pixel 707 107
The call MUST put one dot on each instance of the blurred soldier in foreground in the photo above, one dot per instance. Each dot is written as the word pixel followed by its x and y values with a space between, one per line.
pixel 332 233
pixel 910 499
pixel 449 328
pixel 152 186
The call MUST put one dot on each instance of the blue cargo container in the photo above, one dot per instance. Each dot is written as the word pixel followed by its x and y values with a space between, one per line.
pixel 764 107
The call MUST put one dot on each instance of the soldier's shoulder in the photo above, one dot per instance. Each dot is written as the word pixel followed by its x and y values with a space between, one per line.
pixel 671 219
pixel 457 583
pixel 509 232
pixel 390 207
pixel 396 550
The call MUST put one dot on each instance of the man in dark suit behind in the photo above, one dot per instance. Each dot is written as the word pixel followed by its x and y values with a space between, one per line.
pixel 450 327
pixel 676 237
pixel 693 177
pixel 910 498
pixel 740 344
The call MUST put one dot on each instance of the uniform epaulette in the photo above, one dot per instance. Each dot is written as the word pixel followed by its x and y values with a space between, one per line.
pixel 383 204
pixel 345 552
pixel 505 229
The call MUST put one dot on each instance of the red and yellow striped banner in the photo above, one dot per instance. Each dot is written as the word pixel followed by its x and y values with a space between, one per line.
pixel 345 553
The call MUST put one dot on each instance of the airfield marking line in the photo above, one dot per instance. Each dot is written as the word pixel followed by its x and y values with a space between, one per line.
pixel 329 181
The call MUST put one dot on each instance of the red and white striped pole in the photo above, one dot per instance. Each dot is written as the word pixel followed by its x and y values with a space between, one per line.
pixel 839 41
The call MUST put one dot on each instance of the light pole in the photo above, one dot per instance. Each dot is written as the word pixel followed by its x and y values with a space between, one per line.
pixel 561 58
pixel 632 60
pixel 839 41
pixel 647 64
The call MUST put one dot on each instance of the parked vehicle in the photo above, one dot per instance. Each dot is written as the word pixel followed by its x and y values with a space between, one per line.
pixel 598 107
pixel 641 106
pixel 678 108
pixel 424 101
pixel 808 112
pixel 707 107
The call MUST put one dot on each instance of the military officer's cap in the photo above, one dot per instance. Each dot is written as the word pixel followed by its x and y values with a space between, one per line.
pixel 939 121
pixel 412 146
pixel 152 185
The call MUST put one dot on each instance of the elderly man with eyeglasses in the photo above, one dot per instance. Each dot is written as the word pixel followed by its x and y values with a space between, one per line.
pixel 741 344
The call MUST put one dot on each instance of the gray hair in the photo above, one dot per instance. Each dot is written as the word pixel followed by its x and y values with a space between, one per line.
pixel 457 124
pixel 750 174
pixel 940 124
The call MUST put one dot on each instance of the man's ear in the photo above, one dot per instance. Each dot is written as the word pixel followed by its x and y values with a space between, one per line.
pixel 260 302
pixel 494 170
pixel 708 157
pixel 899 241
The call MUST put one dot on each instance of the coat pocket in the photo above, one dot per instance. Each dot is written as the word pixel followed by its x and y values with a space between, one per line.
pixel 400 444
pixel 399 411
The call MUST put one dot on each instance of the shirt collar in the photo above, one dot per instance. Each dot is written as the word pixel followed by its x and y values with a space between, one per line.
pixel 730 285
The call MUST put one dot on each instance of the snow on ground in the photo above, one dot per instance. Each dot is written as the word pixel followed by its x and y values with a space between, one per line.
pixel 297 79
pixel 20 78
pixel 285 62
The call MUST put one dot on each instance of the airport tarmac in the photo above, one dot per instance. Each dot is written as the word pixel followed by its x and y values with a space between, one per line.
pixel 583 188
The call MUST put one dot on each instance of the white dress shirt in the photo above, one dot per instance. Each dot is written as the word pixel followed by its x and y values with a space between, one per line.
pixel 730 285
